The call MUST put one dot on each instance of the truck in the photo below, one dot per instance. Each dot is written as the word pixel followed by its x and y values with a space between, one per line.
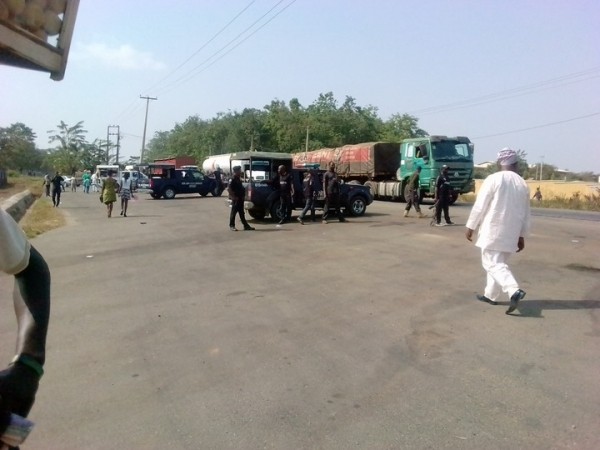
pixel 167 181
pixel 262 199
pixel 178 161
pixel 386 167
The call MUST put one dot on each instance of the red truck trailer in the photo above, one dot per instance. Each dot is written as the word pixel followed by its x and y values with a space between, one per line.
pixel 178 161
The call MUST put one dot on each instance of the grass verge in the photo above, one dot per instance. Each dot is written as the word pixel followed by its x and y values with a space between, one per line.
pixel 42 216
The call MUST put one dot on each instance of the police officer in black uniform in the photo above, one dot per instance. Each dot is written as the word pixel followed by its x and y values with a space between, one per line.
pixel 237 193
pixel 443 193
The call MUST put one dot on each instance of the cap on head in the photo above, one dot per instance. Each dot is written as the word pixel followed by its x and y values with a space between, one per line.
pixel 444 168
pixel 507 157
pixel 237 169
pixel 418 168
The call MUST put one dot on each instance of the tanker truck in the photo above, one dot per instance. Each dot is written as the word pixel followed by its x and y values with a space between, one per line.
pixel 386 167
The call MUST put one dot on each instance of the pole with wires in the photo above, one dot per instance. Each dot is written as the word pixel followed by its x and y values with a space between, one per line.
pixel 145 124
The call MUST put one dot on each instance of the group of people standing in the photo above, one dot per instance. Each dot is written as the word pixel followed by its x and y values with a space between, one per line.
pixel 284 187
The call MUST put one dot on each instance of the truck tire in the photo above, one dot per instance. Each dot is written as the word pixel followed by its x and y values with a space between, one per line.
pixel 276 212
pixel 402 189
pixel 357 206
pixel 256 214
pixel 453 198
pixel 169 193
pixel 216 192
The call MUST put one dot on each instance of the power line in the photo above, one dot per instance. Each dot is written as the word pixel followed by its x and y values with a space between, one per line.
pixel 194 72
pixel 514 92
pixel 538 126
pixel 202 46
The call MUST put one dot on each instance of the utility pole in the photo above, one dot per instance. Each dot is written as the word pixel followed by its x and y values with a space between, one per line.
pixel 306 143
pixel 542 169
pixel 145 123
pixel 108 135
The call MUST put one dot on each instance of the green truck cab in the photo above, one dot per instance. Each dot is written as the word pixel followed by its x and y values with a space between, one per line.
pixel 431 153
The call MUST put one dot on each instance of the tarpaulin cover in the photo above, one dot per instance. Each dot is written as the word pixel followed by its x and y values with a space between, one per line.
pixel 369 160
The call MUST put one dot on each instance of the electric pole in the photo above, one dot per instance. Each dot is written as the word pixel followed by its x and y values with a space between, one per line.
pixel 145 123
pixel 108 135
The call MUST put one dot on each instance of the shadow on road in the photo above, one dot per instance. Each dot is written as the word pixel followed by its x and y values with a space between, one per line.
pixel 534 308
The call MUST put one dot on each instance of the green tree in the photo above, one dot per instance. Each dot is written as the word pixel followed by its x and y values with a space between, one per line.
pixel 67 155
pixel 401 126
pixel 17 148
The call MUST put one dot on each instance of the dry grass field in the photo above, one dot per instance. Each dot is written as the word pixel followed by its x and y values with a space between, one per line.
pixel 559 194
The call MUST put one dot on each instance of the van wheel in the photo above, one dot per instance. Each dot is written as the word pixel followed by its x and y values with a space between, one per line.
pixel 255 214
pixel 358 206
pixel 169 193
pixel 276 211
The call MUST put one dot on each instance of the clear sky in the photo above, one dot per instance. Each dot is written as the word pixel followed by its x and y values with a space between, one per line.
pixel 518 73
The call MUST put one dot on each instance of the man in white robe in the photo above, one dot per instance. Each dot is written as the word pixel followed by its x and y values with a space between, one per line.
pixel 502 215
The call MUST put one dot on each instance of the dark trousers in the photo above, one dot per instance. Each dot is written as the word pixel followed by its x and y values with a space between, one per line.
pixel 439 207
pixel 332 203
pixel 47 190
pixel 309 205
pixel 237 207
pixel 56 196
pixel 286 206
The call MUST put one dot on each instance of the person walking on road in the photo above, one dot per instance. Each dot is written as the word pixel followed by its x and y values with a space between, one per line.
pixel 57 187
pixel 46 183
pixel 443 193
pixel 412 194
pixel 310 189
pixel 283 182
pixel 108 194
pixel 19 382
pixel 237 193
pixel 502 215
pixel 74 182
pixel 125 192
pixel 331 186
pixel 86 180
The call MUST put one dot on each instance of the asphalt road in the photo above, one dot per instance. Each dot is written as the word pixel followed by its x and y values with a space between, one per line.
pixel 170 331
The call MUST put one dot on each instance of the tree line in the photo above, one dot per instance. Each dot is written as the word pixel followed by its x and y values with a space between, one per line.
pixel 277 127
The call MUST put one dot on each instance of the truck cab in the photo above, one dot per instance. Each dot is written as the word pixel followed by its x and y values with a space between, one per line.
pixel 431 153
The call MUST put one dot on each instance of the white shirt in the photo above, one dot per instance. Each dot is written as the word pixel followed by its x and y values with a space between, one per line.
pixel 14 246
pixel 501 212
pixel 126 183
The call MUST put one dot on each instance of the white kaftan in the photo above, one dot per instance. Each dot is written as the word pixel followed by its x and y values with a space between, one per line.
pixel 502 214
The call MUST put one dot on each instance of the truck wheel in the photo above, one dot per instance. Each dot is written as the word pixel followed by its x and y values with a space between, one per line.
pixel 454 198
pixel 216 192
pixel 358 206
pixel 276 211
pixel 169 193
pixel 256 214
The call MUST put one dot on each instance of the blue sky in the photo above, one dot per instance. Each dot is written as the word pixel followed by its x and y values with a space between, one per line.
pixel 524 74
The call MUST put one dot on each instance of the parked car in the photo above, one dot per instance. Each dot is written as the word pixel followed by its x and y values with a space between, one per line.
pixel 167 181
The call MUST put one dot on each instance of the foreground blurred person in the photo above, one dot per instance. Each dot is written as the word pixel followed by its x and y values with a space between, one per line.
pixel 502 214
pixel 31 298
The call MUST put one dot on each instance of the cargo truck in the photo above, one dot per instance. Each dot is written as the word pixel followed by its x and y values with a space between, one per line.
pixel 178 161
pixel 386 167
